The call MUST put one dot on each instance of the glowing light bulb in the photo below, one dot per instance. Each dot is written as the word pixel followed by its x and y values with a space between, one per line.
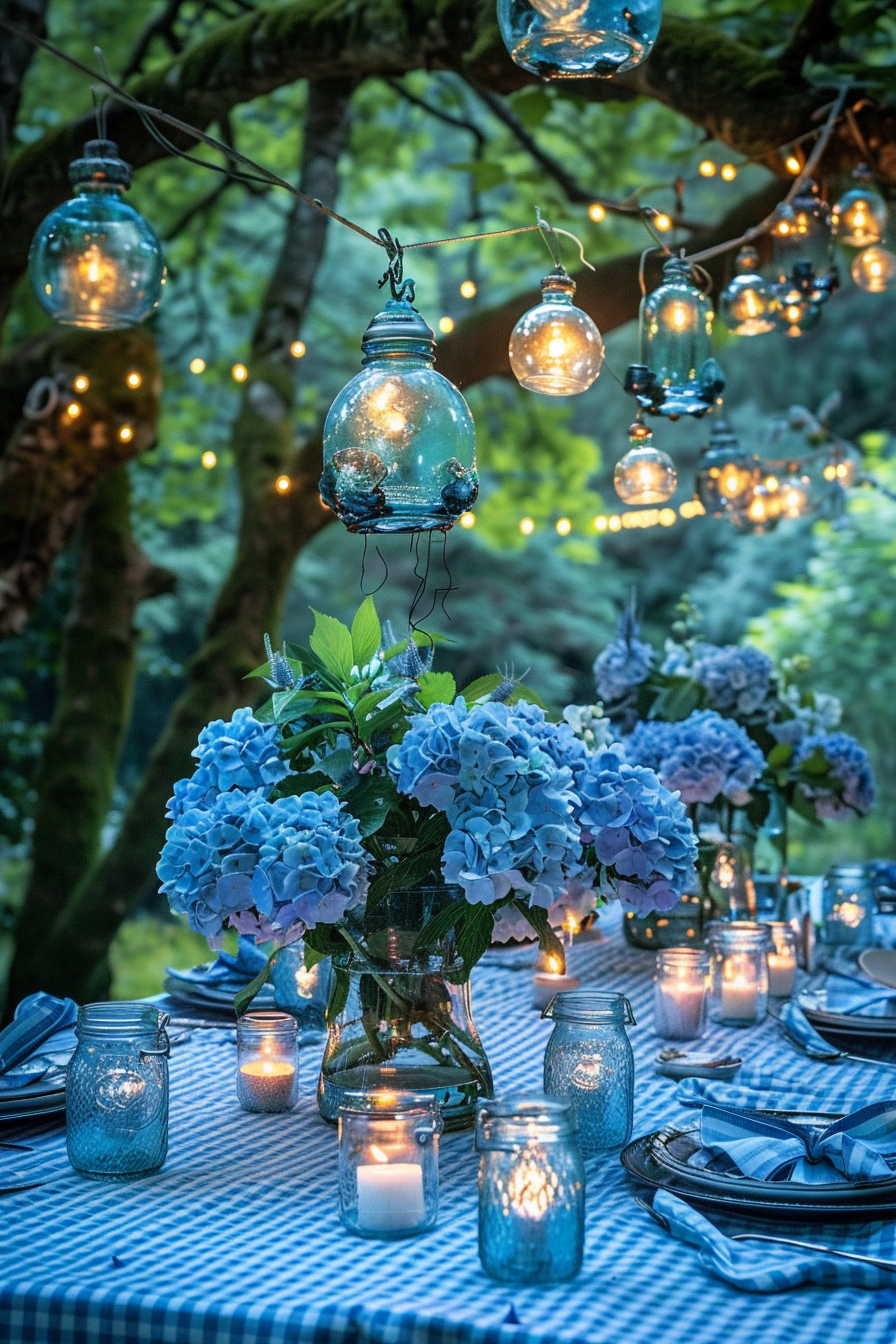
pixel 527 526
pixel 81 383
pixel 133 379
pixel 860 216
pixel 667 517
pixel 446 324
pixel 468 289
pixel 126 433
pixel 239 373
pixel 600 523
pixel 467 520
pixel 596 212
pixel 73 410
pixel 645 475
pixel 707 168
pixel 794 496
pixel 563 526
pixel 793 165
pixel 297 349
pixel 874 269
pixel 197 365
pixel 209 459
pixel 283 485
pixel 555 348
pixel 728 172
pixel 748 306
pixel 662 222
pixel 679 317
pixel 614 522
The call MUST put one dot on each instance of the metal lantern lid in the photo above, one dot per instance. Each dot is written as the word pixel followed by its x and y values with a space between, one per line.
pixel 397 330
pixel 100 162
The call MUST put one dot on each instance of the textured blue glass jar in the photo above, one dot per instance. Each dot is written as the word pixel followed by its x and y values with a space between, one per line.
pixel 94 261
pixel 300 990
pixel 571 39
pixel 589 1062
pixel 531 1190
pixel 399 440
pixel 116 1094
pixel 847 896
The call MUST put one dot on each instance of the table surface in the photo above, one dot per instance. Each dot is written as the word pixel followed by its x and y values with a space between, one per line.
pixel 238 1240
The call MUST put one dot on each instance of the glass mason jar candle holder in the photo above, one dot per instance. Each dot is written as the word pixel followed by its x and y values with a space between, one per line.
pixel 389 1163
pixel 116 1092
pixel 847 897
pixel 531 1190
pixel 782 959
pixel 302 990
pixel 589 1063
pixel 267 1068
pixel 738 973
pixel 679 993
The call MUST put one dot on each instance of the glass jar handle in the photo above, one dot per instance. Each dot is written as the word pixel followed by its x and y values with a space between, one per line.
pixel 162 1035
pixel 629 1019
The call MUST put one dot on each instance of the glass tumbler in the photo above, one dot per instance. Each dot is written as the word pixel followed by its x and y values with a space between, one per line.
pixel 531 1190
pixel 738 972
pixel 389 1163
pixel 589 1062
pixel 116 1092
pixel 267 1067
pixel 679 992
pixel 847 896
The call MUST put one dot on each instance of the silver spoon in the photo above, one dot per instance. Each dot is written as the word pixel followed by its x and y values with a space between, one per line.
pixel 876 1261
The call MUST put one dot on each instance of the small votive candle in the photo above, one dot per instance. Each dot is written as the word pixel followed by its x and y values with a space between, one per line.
pixel 389 1163
pixel 550 981
pixel 679 992
pixel 782 960
pixel 267 1076
pixel 738 972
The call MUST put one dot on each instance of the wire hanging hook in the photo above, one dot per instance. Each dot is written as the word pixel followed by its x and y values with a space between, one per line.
pixel 401 288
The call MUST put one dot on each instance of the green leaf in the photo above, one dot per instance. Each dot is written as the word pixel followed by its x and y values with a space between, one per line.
pixel 336 765
pixel 366 632
pixel 409 871
pixel 804 807
pixel 484 175
pixel 475 933
pixel 548 941
pixel 371 801
pixel 384 720
pixel 423 639
pixel 433 830
pixel 338 994
pixel 244 996
pixel 677 701
pixel 332 642
pixel 521 692
pixel 368 704
pixel 780 755
pixel 816 764
pixel 436 688
pixel 482 686
pixel 440 923
pixel 306 738
pixel 307 781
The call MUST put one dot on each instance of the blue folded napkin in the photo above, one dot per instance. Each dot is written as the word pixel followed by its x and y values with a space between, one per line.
pixel 758 1267
pixel 825 1088
pixel 855 1148
pixel 227 971
pixel 797 1025
pixel 851 994
pixel 37 1018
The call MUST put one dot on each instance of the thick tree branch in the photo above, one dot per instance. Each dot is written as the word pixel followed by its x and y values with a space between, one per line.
pixel 15 56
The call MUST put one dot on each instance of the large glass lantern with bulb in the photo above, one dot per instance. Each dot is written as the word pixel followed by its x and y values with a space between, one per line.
pixel 794 494
pixel 645 475
pixel 399 441
pixel 555 348
pixel 763 509
pixel 573 39
pixel 748 305
pixel 677 374
pixel 860 216
pixel 797 315
pixel 874 269
pixel 801 237
pixel 726 473
pixel 94 261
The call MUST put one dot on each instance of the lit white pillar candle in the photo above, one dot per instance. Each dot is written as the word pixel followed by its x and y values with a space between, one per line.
pixel 781 973
pixel 740 991
pixel 678 1009
pixel 548 983
pixel 390 1194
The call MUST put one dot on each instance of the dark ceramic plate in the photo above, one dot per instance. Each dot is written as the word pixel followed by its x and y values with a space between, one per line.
pixel 813 1003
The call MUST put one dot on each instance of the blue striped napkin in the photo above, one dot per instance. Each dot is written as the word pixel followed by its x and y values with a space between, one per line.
pixel 855 1148
pixel 758 1267
pixel 37 1018
pixel 842 1089
pixel 849 994
pixel 797 1025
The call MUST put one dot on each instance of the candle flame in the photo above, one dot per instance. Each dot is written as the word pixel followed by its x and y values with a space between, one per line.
pixel 529 1189
pixel 377 1153
pixel 554 965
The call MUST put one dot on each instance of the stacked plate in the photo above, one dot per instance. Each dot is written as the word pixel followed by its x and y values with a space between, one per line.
pixel 866 1025
pixel 44 1096
pixel 193 989
pixel 662 1160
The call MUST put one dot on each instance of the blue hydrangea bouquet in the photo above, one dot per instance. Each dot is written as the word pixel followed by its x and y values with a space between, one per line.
pixel 367 775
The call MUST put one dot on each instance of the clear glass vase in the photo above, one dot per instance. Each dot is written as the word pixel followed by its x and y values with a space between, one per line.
pixel 400 1017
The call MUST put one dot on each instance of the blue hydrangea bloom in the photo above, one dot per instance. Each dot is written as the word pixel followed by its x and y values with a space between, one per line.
pixel 239 754
pixel 624 664
pixel 739 680
pixel 703 757
pixel 849 764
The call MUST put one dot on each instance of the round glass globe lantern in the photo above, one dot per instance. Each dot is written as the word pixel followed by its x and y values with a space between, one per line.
pixel 726 473
pixel 801 236
pixel 555 348
pixel 645 475
pixel 795 501
pixel 860 216
pixel 748 305
pixel 764 506
pixel 399 440
pixel 797 314
pixel 874 269
pixel 574 39
pixel 94 261
pixel 676 343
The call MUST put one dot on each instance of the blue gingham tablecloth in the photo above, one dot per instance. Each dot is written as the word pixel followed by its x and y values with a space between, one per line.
pixel 238 1241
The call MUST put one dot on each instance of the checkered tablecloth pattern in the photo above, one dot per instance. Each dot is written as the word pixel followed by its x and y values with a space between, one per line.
pixel 237 1240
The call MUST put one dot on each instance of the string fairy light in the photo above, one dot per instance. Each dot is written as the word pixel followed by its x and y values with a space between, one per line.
pixel 197 365
pixel 81 383
pixel 209 459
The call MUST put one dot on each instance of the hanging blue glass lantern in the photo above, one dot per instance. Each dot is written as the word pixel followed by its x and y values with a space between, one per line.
pixel 572 39
pixel 748 305
pixel 860 216
pixel 94 261
pixel 726 473
pixel 399 440
pixel 803 260
pixel 677 374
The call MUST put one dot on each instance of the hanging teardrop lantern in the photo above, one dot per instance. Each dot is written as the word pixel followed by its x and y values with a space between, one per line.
pixel 763 508
pixel 802 238
pixel 399 441
pixel 748 305
pixel 795 501
pixel 874 269
pixel 797 314
pixel 94 261
pixel 555 348
pixel 573 39
pixel 726 473
pixel 645 475
pixel 677 374
pixel 860 216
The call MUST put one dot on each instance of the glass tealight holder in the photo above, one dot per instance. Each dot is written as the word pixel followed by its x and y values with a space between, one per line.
pixel 782 959
pixel 267 1068
pixel 847 897
pixel 389 1163
pixel 116 1092
pixel 300 990
pixel 589 1063
pixel 531 1190
pixel 738 973
pixel 679 993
